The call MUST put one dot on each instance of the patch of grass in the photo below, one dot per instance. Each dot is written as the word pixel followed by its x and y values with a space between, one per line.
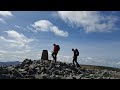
pixel 100 67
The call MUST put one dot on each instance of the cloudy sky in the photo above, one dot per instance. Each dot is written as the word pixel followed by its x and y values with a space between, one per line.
pixel 96 34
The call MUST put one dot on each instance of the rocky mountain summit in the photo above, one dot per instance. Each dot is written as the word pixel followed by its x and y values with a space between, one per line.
pixel 48 69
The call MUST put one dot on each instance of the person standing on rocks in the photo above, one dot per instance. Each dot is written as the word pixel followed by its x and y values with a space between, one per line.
pixel 55 51
pixel 76 54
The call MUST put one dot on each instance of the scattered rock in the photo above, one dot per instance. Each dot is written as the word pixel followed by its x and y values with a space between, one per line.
pixel 48 69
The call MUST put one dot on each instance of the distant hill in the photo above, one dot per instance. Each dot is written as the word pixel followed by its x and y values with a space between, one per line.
pixel 9 63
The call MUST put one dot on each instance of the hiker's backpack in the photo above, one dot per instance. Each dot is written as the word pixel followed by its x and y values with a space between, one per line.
pixel 77 52
pixel 58 47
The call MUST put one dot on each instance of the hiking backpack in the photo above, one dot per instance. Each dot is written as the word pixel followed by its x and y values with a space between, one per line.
pixel 58 47
pixel 77 52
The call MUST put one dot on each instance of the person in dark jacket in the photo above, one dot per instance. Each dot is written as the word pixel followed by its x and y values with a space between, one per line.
pixel 76 54
pixel 55 52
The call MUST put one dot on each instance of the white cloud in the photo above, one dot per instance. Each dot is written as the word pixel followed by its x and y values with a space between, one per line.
pixel 1 54
pixel 17 26
pixel 6 13
pixel 15 40
pixel 29 28
pixel 118 63
pixel 2 20
pixel 25 51
pixel 62 58
pixel 47 26
pixel 58 32
pixel 89 58
pixel 100 61
pixel 42 25
pixel 90 21
pixel 15 46
pixel 1 51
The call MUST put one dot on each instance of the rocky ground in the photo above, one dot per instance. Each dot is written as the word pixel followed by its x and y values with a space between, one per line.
pixel 48 69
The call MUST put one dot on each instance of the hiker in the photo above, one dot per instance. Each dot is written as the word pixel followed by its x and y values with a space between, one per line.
pixel 55 51
pixel 76 54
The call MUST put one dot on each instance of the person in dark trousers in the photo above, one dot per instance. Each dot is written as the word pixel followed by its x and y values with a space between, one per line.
pixel 55 51
pixel 76 54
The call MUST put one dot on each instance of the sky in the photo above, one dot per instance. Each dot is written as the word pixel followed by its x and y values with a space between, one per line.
pixel 96 34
